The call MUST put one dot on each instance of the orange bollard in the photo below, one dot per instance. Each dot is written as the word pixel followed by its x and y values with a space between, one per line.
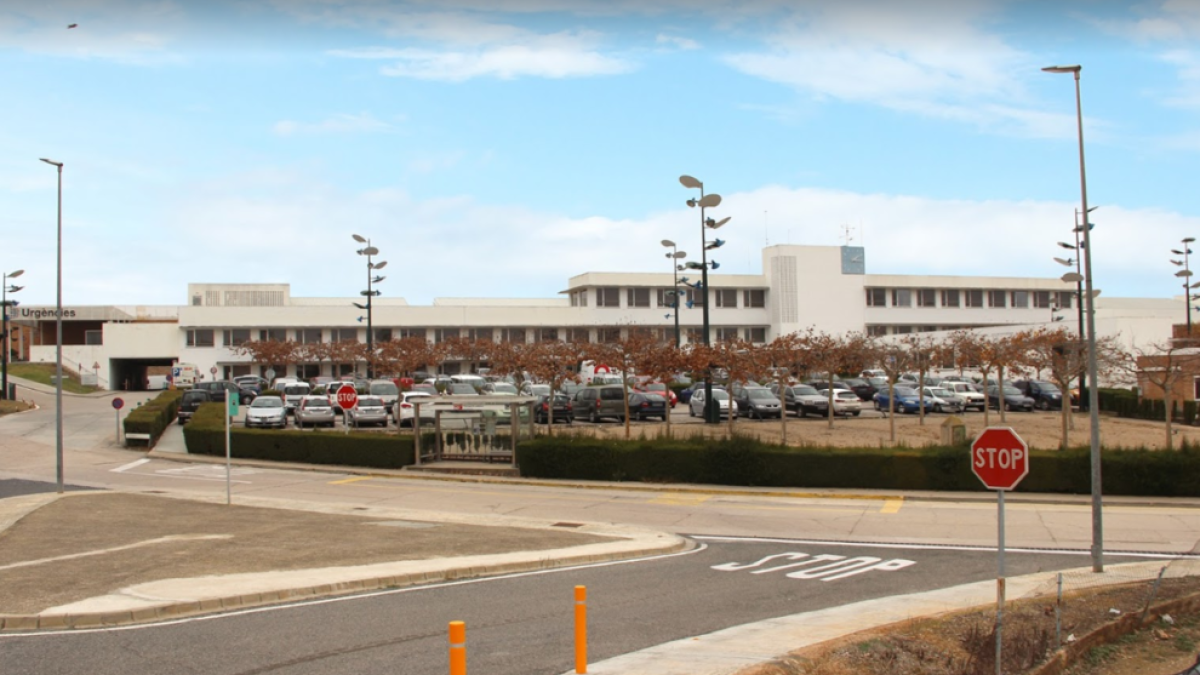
pixel 458 648
pixel 581 629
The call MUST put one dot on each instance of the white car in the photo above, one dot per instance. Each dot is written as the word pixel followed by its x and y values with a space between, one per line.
pixel 973 397
pixel 945 400
pixel 403 410
pixel 386 390
pixel 724 402
pixel 368 410
pixel 266 411
pixel 846 402
pixel 293 394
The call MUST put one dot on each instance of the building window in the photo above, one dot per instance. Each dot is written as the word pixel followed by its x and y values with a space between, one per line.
pixel 974 297
pixel 341 369
pixel 237 337
pixel 308 371
pixel 638 297
pixel 443 334
pixel 1064 299
pixel 1041 299
pixel 308 336
pixel 343 335
pixel 950 297
pixel 579 298
pixel 547 335
pixel 757 335
pixel 901 297
pixel 279 368
pixel 200 337
pixel 1020 299
pixel 876 331
pixel 754 298
pixel 608 335
pixel 277 334
pixel 667 296
pixel 513 335
pixel 696 297
pixel 579 335
pixel 997 298
pixel 383 334
pixel 903 330
pixel 412 333
pixel 727 334
pixel 608 297
pixel 481 334
pixel 876 297
pixel 93 337
pixel 727 297
pixel 695 336
pixel 926 297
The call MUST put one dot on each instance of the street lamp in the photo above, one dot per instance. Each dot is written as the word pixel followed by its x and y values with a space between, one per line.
pixel 5 289
pixel 1185 273
pixel 1093 392
pixel 673 256
pixel 712 413
pixel 58 417
pixel 370 293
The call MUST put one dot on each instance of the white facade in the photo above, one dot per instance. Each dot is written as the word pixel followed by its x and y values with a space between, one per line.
pixel 823 287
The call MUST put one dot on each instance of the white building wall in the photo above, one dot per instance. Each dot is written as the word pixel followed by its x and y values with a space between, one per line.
pixel 809 289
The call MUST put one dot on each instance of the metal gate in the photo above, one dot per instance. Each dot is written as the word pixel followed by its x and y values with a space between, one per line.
pixel 472 428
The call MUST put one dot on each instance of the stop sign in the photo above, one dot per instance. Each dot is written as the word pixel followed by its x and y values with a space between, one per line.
pixel 347 397
pixel 999 458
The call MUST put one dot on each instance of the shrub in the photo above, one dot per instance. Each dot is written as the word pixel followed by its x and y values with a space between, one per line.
pixel 154 416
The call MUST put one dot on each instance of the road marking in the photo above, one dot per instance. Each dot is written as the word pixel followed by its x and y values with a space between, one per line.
pixel 947 547
pixel 680 499
pixel 170 539
pixel 835 567
pixel 892 506
pixel 352 479
pixel 131 465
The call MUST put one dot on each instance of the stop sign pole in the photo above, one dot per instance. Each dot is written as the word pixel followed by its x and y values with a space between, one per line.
pixel 1000 459
pixel 347 399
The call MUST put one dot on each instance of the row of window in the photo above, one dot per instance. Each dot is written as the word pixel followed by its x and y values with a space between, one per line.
pixel 975 297
pixel 877 330
pixel 665 297
pixel 206 337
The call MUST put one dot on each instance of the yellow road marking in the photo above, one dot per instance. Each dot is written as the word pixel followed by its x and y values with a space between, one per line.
pixel 680 499
pixel 346 481
pixel 892 506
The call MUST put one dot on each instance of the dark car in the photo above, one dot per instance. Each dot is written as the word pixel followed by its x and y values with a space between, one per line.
pixel 217 389
pixel 757 402
pixel 562 409
pixel 862 387
pixel 1045 395
pixel 644 406
pixel 596 403
pixel 685 394
pixel 802 399
pixel 190 401
pixel 1013 399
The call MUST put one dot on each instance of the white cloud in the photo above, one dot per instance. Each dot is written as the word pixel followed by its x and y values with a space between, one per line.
pixel 338 124
pixel 676 41
pixel 126 31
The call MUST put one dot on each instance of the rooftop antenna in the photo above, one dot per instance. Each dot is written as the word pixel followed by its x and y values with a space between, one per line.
pixel 846 234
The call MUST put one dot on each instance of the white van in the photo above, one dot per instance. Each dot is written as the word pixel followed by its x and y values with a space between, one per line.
pixel 157 382
pixel 473 380
pixel 293 393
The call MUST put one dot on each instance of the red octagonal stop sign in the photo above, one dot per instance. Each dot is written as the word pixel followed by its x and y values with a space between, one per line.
pixel 347 397
pixel 1000 458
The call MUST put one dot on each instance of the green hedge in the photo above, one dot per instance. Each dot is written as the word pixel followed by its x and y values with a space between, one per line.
pixel 154 416
pixel 205 435
pixel 1125 403
pixel 745 461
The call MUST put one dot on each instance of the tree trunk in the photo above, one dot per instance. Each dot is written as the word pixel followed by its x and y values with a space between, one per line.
pixel 921 397
pixel 987 405
pixel 891 412
pixel 783 411
pixel 1000 402
pixel 831 412
pixel 1167 404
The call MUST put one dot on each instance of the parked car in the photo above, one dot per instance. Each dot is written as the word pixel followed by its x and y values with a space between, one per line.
pixel 802 399
pixel 492 388
pixel 685 394
pixel 384 389
pixel 267 411
pixel 461 389
pixel 846 402
pixel 404 410
pixel 645 405
pixel 293 393
pixel 662 390
pixel 562 409
pixel 217 389
pixel 597 403
pixel 862 387
pixel 370 410
pixel 724 402
pixel 907 401
pixel 190 401
pixel 972 397
pixel 757 402
pixel 315 411
pixel 531 389
pixel 259 384
pixel 1013 398
pixel 945 400
pixel 1045 395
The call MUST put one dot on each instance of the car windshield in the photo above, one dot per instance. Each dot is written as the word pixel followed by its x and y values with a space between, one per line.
pixel 539 389
pixel 1047 387
pixel 654 398
pixel 295 389
pixel 317 403
pixel 720 395
pixel 940 393
pixel 904 391
pixel 370 402
pixel 842 393
pixel 503 388
pixel 267 402
pixel 384 388
pixel 1012 391
pixel 805 391
pixel 759 393
pixel 461 389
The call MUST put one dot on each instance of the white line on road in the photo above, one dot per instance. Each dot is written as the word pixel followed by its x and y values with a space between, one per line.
pixel 948 547
pixel 131 465
pixel 170 539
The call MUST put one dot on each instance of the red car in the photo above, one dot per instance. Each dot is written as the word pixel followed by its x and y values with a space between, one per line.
pixel 662 390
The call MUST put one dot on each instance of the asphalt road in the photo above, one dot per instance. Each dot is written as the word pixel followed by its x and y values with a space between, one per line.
pixel 521 624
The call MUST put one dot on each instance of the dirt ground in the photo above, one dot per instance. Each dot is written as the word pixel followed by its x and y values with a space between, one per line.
pixel 964 644
pixel 1041 430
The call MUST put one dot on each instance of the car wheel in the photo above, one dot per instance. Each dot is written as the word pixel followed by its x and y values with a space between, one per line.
pixel 593 417
pixel 1043 404
pixel 856 413
pixel 691 411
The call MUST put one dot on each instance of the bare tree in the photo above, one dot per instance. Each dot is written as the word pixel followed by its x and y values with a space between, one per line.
pixel 924 353
pixel 554 363
pixel 271 352
pixel 1163 365
pixel 623 355
pixel 406 355
pixel 786 358
pixel 832 355
pixel 661 362
pixel 893 359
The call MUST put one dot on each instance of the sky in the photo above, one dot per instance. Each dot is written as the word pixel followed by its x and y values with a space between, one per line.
pixel 495 148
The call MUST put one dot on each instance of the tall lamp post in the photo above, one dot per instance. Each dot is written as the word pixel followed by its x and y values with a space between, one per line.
pixel 1076 277
pixel 1186 273
pixel 58 416
pixel 370 293
pixel 674 256
pixel 1090 312
pixel 5 289
pixel 712 413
